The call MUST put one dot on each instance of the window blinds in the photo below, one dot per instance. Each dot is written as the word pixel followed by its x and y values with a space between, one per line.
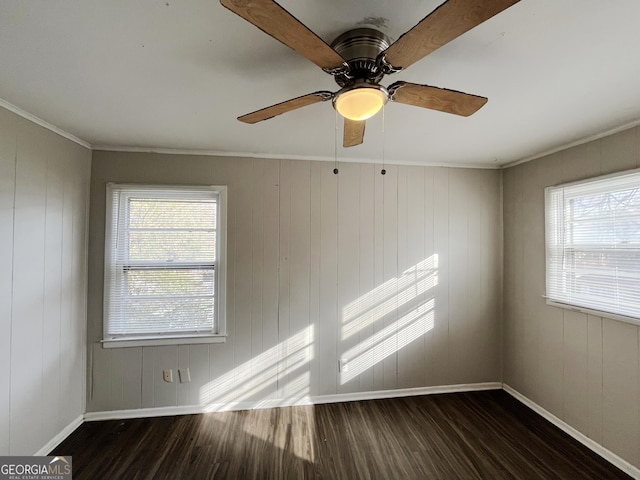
pixel 593 244
pixel 160 265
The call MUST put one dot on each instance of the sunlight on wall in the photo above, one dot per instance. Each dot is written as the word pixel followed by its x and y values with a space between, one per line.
pixel 280 368
pixel 386 298
pixel 388 340
pixel 405 295
pixel 281 374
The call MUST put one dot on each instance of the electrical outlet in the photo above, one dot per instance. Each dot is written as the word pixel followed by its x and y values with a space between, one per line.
pixel 185 376
pixel 167 375
pixel 343 365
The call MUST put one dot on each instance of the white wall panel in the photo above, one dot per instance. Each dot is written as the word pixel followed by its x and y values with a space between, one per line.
pixel 575 364
pixel 28 295
pixel 165 394
pixel 326 347
pixel 390 275
pixel 584 369
pixel 44 194
pixel 130 378
pixel 74 359
pixel 620 389
pixel 349 321
pixel 459 327
pixel 284 278
pixel 622 151
pixel 8 145
pixel 99 392
pixel 183 363
pixel 439 345
pixel 378 273
pixel 315 209
pixel 366 245
pixel 412 228
pixel 484 274
pixel 258 211
pixel 198 364
pixel 240 231
pixel 270 282
pixel 322 267
pixel 430 345
pixel 299 356
pixel 594 378
pixel 53 268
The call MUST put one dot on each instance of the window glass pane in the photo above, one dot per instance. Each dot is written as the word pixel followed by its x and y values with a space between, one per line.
pixel 605 217
pixel 172 246
pixel 169 282
pixel 162 274
pixel 180 214
pixel 161 315
pixel 593 244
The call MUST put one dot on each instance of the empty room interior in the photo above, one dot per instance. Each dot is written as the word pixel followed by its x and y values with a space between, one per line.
pixel 249 239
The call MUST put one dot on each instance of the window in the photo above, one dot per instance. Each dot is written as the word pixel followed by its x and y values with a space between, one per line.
pixel 593 245
pixel 164 265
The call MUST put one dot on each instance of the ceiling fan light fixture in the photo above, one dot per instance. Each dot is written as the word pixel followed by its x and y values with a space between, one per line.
pixel 360 102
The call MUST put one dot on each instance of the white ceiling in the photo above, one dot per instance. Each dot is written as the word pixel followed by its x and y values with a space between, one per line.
pixel 175 74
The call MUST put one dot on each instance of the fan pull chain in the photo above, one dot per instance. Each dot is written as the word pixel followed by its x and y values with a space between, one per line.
pixel 335 145
pixel 383 171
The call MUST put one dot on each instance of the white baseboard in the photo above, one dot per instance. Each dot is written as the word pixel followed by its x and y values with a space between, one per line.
pixel 64 433
pixel 345 397
pixel 288 402
pixel 608 455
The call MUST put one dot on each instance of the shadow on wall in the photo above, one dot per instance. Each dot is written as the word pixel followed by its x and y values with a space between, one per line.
pixel 405 299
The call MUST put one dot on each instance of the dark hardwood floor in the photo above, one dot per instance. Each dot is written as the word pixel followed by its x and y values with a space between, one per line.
pixel 485 435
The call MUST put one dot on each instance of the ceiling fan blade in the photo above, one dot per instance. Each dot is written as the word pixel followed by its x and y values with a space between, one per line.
pixel 445 23
pixel 284 107
pixel 434 98
pixel 353 132
pixel 274 20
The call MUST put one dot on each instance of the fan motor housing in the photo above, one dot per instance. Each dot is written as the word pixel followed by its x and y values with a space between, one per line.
pixel 360 48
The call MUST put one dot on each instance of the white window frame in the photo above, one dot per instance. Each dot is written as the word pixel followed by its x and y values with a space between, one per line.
pixel 218 335
pixel 555 227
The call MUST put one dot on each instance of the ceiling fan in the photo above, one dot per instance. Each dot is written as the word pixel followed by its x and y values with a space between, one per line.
pixel 359 59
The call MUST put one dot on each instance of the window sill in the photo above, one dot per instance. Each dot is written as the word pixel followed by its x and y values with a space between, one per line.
pixel 159 341
pixel 591 311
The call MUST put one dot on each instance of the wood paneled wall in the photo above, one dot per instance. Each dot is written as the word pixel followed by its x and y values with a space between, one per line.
pixel 401 274
pixel 44 193
pixel 582 368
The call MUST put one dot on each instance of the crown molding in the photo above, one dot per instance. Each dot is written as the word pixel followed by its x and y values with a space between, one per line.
pixel 580 141
pixel 323 158
pixel 38 121
pixel 275 156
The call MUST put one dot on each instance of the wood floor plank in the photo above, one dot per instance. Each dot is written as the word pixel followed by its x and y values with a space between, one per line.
pixel 473 435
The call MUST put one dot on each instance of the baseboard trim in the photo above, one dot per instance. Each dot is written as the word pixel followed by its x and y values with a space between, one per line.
pixel 288 402
pixel 608 455
pixel 404 392
pixel 64 433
